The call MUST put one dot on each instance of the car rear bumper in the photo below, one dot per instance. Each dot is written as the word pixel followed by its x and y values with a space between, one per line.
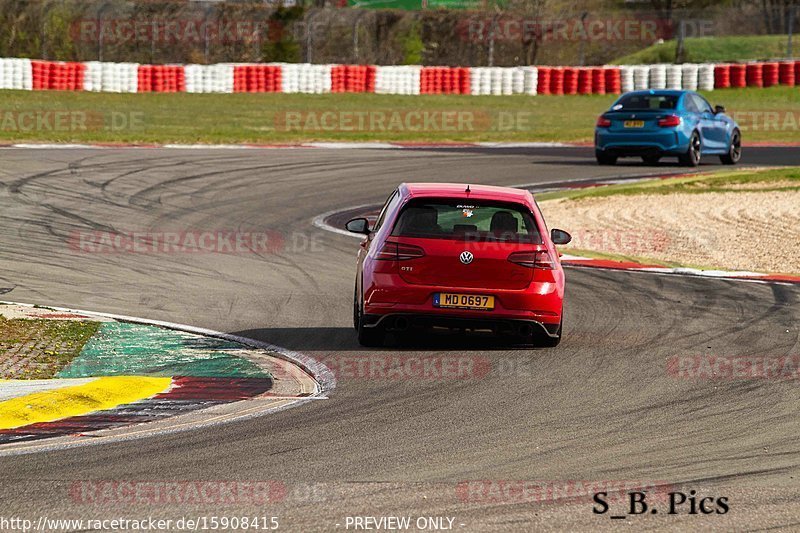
pixel 624 144
pixel 405 321
pixel 541 302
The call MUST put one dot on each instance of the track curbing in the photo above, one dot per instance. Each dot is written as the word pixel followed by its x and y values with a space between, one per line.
pixel 322 377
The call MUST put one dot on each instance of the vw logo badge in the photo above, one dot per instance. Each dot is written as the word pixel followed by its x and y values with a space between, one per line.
pixel 466 257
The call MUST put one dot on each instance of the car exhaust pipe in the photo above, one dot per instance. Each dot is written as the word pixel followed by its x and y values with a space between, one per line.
pixel 525 330
pixel 401 323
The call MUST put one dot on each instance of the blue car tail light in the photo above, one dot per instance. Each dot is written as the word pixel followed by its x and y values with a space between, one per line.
pixel 669 121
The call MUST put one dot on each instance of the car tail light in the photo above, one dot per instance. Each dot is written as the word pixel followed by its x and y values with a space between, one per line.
pixel 533 260
pixel 669 121
pixel 603 122
pixel 393 251
pixel 409 251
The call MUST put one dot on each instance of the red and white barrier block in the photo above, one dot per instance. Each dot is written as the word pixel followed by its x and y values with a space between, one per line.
pixel 57 75
pixel 37 75
pixel 16 74
pixel 309 79
pixel 161 79
pixel 209 78
pixel 401 79
pixel 112 77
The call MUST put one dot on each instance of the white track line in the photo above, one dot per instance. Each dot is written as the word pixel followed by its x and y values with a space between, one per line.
pixel 319 221
pixel 289 146
pixel 349 146
pixel 527 145
pixel 15 388
pixel 675 273
pixel 34 146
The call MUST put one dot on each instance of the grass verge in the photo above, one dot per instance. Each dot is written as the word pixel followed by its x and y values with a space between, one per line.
pixel 777 179
pixel 711 49
pixel 39 349
pixel 79 117
pixel 625 258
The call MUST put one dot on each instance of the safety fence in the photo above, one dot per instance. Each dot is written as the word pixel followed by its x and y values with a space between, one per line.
pixel 97 76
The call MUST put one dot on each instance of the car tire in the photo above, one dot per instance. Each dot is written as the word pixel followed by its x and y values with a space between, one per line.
pixel 651 159
pixel 604 158
pixel 551 342
pixel 692 156
pixel 369 337
pixel 356 313
pixel 734 149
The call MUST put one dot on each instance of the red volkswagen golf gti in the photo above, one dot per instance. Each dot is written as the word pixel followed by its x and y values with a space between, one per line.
pixel 465 257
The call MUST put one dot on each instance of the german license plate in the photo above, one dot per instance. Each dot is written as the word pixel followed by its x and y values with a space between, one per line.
pixel 463 301
pixel 634 124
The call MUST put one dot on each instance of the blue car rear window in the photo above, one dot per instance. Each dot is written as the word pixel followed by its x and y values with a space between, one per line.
pixel 646 101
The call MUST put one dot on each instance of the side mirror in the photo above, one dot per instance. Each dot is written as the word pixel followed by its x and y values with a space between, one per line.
pixel 719 109
pixel 559 236
pixel 358 225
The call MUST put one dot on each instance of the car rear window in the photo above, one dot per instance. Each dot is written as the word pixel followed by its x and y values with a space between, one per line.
pixel 467 220
pixel 645 101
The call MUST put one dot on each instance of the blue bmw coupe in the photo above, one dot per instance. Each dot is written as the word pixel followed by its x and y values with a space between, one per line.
pixel 655 123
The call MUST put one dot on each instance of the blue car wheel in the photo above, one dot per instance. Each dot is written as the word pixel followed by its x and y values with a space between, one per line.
pixel 692 156
pixel 604 158
pixel 734 149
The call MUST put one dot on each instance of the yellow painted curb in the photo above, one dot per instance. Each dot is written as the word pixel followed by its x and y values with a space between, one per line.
pixel 102 393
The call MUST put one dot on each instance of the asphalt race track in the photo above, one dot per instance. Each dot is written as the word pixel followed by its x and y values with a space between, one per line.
pixel 600 407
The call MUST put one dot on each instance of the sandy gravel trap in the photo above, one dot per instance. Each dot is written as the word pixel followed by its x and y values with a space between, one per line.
pixel 752 231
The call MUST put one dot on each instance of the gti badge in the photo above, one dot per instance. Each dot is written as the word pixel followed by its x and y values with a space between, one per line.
pixel 466 257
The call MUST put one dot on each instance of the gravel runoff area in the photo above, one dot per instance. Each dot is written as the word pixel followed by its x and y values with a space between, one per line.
pixel 748 230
